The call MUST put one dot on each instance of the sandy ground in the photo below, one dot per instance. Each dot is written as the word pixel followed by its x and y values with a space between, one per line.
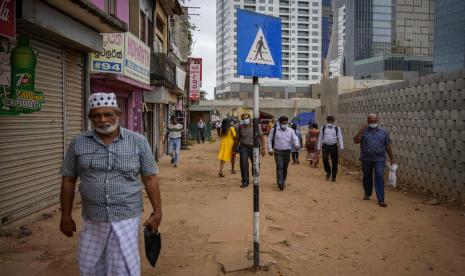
pixel 313 227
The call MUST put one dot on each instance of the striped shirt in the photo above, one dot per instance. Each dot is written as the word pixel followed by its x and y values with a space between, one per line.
pixel 110 186
pixel 174 131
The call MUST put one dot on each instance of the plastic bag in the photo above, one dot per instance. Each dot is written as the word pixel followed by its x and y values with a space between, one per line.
pixel 392 178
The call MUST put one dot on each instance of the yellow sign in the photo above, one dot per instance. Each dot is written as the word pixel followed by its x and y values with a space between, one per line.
pixel 111 59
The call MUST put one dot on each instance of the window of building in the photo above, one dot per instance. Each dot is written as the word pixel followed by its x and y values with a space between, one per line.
pixel 142 27
pixel 110 7
pixel 262 8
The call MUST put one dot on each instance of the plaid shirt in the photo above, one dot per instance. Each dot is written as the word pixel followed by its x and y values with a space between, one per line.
pixel 110 186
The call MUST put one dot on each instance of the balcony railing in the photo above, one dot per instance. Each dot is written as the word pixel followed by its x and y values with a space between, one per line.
pixel 162 70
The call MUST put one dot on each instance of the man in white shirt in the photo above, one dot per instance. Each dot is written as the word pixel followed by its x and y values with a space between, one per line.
pixel 329 139
pixel 200 131
pixel 173 133
pixel 280 141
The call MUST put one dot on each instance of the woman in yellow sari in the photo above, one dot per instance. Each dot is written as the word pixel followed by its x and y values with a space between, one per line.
pixel 228 134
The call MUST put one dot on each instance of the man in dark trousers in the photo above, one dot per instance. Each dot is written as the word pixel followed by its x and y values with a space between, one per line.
pixel 245 140
pixel 374 143
pixel 280 141
pixel 200 131
pixel 330 140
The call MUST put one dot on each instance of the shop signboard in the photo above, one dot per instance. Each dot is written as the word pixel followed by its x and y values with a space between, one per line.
pixel 7 18
pixel 195 79
pixel 111 59
pixel 17 75
pixel 136 59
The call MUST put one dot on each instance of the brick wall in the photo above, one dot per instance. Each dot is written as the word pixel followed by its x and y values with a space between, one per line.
pixel 426 121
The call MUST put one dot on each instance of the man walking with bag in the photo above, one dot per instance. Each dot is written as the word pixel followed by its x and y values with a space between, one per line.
pixel 330 140
pixel 374 143
pixel 280 141
pixel 109 160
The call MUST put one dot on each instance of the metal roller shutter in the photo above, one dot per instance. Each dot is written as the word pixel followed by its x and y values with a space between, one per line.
pixel 74 94
pixel 31 145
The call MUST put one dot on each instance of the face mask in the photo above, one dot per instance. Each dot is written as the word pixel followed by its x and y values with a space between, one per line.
pixel 373 125
pixel 329 125
pixel 283 127
pixel 246 122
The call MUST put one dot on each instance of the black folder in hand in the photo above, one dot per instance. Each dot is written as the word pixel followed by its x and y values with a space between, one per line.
pixel 152 241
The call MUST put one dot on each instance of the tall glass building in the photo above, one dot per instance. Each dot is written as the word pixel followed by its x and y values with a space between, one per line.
pixel 326 26
pixel 449 40
pixel 336 47
pixel 388 36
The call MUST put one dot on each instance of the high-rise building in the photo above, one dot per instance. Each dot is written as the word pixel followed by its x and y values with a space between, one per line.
pixel 326 26
pixel 301 48
pixel 326 30
pixel 388 38
pixel 336 47
pixel 449 35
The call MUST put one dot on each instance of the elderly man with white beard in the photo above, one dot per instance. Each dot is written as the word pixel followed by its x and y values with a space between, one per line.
pixel 108 160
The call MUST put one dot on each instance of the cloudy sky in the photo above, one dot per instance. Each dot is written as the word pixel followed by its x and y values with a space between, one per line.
pixel 205 40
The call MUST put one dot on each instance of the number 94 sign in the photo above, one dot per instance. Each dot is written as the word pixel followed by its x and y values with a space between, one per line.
pixel 110 60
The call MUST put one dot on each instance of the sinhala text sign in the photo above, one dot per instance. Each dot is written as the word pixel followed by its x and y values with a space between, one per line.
pixel 111 59
pixel 123 54
pixel 195 80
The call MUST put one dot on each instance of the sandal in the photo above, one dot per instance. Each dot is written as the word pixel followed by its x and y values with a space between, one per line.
pixel 233 172
pixel 221 174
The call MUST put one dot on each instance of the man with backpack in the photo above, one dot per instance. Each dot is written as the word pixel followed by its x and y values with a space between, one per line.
pixel 280 141
pixel 330 140
pixel 245 142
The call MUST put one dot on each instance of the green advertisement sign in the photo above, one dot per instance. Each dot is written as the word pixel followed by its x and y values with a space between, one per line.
pixel 17 76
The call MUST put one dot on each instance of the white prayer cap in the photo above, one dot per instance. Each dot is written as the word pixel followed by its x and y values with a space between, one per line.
pixel 102 100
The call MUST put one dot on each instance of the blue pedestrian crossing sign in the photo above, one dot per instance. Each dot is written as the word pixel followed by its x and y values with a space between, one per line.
pixel 258 45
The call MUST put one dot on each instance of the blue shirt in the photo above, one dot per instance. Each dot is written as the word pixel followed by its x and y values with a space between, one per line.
pixel 110 187
pixel 373 145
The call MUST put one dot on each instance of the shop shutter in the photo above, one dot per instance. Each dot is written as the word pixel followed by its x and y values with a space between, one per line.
pixel 74 94
pixel 32 145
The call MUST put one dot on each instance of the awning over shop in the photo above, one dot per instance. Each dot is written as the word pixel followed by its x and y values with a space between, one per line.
pixel 160 94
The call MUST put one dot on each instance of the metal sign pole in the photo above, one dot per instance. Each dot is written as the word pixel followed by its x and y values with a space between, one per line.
pixel 256 176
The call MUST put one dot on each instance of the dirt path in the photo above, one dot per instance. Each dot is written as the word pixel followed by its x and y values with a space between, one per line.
pixel 313 227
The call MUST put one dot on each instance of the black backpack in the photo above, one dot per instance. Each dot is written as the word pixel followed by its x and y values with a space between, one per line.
pixel 274 136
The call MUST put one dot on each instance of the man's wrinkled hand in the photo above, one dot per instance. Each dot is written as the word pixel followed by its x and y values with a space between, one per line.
pixel 153 221
pixel 67 226
pixel 263 153
pixel 270 153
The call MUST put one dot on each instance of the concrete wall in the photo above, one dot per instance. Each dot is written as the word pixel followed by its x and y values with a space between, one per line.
pixel 275 107
pixel 331 89
pixel 426 120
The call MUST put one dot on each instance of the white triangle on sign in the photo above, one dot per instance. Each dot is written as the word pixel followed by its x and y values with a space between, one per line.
pixel 260 52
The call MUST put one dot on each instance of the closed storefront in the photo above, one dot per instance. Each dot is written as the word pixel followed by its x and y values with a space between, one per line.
pixel 32 146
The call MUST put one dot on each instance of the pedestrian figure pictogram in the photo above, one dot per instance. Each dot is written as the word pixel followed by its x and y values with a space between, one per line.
pixel 259 52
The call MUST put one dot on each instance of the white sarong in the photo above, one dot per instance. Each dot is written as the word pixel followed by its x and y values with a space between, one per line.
pixel 109 248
